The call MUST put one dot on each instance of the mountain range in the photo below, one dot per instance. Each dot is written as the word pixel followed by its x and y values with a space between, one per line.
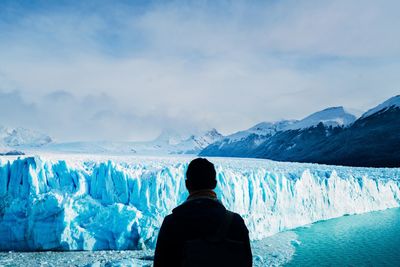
pixel 14 141
pixel 331 136
pixel 14 138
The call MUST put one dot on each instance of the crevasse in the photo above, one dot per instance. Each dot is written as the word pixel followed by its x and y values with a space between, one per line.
pixel 83 204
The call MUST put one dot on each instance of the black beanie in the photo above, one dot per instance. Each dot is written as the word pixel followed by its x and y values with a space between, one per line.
pixel 201 175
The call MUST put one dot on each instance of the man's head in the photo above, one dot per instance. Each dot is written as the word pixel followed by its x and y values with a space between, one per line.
pixel 200 175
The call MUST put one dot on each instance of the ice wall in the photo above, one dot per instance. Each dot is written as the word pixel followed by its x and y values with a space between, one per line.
pixel 81 204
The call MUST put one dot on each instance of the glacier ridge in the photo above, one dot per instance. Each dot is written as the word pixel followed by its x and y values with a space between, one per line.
pixel 119 203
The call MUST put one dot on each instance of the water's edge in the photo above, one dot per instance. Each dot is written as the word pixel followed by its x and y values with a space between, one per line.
pixel 375 235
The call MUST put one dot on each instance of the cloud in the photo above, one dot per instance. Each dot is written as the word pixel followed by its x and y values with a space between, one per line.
pixel 13 110
pixel 92 117
pixel 129 70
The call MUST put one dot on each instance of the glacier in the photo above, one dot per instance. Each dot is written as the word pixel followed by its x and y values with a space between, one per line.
pixel 91 202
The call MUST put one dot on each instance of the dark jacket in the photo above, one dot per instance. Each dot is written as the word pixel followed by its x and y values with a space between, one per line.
pixel 195 219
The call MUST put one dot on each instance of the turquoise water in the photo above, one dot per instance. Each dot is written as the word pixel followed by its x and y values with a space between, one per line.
pixel 371 239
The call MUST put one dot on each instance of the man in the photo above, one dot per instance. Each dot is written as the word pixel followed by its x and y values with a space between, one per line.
pixel 201 232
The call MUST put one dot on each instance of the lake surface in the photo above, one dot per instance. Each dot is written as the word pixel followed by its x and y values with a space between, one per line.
pixel 371 239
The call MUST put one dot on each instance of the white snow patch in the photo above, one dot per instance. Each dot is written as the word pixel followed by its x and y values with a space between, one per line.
pixel 391 102
pixel 262 129
pixel 19 137
pixel 334 117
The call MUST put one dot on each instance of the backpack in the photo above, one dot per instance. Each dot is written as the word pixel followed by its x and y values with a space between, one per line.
pixel 215 250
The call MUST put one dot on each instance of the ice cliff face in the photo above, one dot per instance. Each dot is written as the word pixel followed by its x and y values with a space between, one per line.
pixel 84 204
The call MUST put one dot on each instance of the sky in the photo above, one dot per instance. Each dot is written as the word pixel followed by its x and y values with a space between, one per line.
pixel 126 70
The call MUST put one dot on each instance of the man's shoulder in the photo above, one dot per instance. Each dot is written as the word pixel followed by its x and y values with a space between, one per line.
pixel 169 221
pixel 237 217
pixel 238 221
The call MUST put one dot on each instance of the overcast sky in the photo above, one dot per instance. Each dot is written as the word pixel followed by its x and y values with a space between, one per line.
pixel 125 70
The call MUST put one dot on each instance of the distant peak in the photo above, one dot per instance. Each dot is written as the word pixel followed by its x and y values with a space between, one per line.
pixel 332 116
pixel 337 110
pixel 264 128
pixel 174 137
pixel 23 137
pixel 391 102
pixel 277 125
pixel 341 108
pixel 212 131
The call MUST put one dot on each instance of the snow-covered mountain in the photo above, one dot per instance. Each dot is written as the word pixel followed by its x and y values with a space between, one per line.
pixel 168 142
pixel 196 142
pixel 330 136
pixel 330 117
pixel 243 142
pixel 260 129
pixel 393 102
pixel 22 138
pixel 281 135
pixel 173 142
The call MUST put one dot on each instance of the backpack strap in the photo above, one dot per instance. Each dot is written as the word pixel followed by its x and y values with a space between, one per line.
pixel 224 227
